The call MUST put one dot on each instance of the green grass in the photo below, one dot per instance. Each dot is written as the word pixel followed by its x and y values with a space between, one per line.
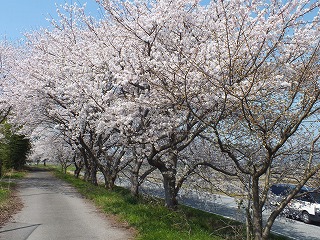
pixel 71 168
pixel 6 187
pixel 14 175
pixel 153 221
pixel 5 193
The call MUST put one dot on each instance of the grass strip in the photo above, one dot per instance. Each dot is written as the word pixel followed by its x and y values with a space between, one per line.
pixel 4 192
pixel 14 174
pixel 9 203
pixel 153 221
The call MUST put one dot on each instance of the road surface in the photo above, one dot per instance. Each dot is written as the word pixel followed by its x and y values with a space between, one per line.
pixel 53 210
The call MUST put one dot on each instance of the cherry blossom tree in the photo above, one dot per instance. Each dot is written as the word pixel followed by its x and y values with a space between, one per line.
pixel 71 89
pixel 50 145
pixel 265 58
pixel 7 59
pixel 253 64
pixel 160 83
pixel 155 71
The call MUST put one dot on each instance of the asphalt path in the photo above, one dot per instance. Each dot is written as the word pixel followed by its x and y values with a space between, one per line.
pixel 53 210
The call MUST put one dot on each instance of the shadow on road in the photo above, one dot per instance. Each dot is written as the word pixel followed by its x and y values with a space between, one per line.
pixel 19 228
pixel 37 169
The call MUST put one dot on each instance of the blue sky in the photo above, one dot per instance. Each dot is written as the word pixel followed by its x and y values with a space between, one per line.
pixel 20 16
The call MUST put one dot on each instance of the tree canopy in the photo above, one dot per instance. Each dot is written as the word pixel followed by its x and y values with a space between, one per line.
pixel 176 89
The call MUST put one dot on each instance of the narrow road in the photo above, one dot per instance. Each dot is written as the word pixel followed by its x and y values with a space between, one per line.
pixel 53 210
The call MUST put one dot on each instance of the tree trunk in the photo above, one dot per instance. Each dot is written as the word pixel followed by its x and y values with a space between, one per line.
pixel 93 173
pixel 77 170
pixel 90 174
pixel 0 168
pixel 86 174
pixel 134 187
pixel 134 178
pixel 78 165
pixel 90 163
pixel 110 183
pixel 256 210
pixel 109 178
pixel 168 171
pixel 169 184
pixel 249 221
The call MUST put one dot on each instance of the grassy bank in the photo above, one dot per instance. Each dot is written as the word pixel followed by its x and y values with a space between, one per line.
pixel 9 202
pixel 7 187
pixel 14 174
pixel 4 193
pixel 153 221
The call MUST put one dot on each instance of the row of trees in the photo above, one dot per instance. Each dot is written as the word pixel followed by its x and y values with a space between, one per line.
pixel 14 147
pixel 178 88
